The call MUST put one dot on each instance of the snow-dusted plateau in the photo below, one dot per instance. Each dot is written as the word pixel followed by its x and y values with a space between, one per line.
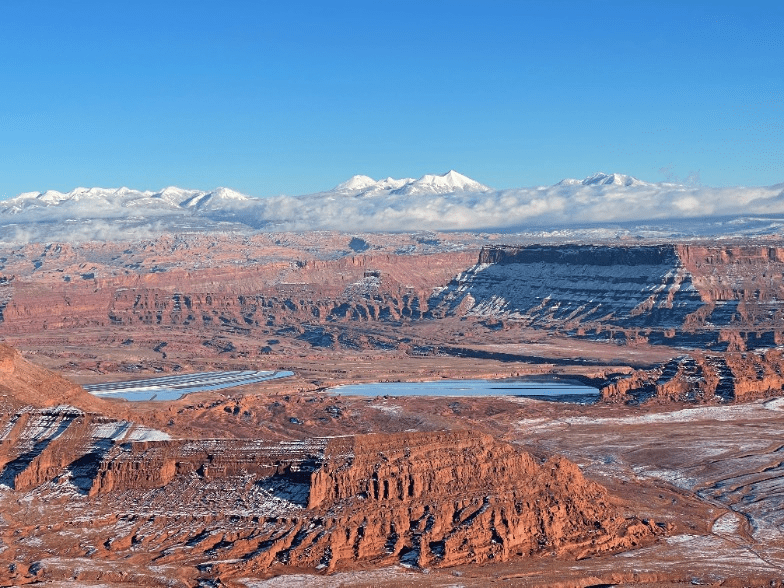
pixel 176 371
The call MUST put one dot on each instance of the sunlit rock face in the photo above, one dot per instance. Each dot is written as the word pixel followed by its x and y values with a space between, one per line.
pixel 576 285
pixel 716 297
pixel 432 499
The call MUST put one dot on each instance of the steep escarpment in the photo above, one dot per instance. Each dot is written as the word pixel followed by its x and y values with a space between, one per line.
pixel 571 286
pixel 704 377
pixel 39 445
pixel 718 297
pixel 457 497
pixel 227 508
pixel 23 383
pixel 442 499
pixel 228 297
pixel 154 464
pixel 742 287
pixel 592 255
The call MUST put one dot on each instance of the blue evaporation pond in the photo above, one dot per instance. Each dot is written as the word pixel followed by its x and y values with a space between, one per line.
pixel 559 391
pixel 174 387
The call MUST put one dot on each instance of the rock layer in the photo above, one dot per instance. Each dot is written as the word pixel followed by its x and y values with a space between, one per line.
pixel 724 298
pixel 457 497
pixel 703 377
pixel 565 287
pixel 232 507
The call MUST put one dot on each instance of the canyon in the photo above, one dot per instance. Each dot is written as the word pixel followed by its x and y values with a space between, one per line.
pixel 278 479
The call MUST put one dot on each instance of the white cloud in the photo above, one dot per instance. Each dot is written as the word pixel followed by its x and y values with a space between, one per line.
pixel 380 206
pixel 688 204
pixel 554 206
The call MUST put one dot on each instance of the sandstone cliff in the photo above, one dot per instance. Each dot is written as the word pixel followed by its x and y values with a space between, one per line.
pixel 448 498
pixel 703 377
pixel 237 294
pixel 425 499
pixel 23 383
pixel 719 297
pixel 228 296
pixel 229 507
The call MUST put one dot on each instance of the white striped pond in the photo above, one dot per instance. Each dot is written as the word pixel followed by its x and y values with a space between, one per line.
pixel 175 387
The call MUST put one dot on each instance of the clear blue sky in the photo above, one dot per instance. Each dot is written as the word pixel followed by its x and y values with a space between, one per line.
pixel 287 97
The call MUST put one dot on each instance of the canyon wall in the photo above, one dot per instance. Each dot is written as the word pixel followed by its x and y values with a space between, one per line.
pixel 722 297
pixel 242 300
pixel 240 297
pixel 418 499
pixel 564 287
pixel 454 497
pixel 718 297
pixel 704 377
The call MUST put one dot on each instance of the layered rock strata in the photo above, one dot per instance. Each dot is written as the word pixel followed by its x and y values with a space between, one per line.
pixel 561 286
pixel 219 290
pixel 448 498
pixel 233 295
pixel 724 298
pixel 229 507
pixel 704 377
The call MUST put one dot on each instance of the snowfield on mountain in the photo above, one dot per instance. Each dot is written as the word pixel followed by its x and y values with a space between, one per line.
pixel 449 201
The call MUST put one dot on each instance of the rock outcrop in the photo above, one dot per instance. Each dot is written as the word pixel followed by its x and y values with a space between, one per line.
pixel 236 507
pixel 261 284
pixel 441 499
pixel 569 286
pixel 704 377
pixel 717 297
pixel 724 297
pixel 153 464
pixel 23 383
pixel 216 296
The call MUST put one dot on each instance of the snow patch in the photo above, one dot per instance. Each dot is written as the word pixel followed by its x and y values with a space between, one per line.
pixel 727 524
pixel 140 433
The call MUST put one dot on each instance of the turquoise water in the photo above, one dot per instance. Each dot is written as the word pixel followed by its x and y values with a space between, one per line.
pixel 560 391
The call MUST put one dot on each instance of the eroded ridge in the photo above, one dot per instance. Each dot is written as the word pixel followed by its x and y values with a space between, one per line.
pixel 229 508
pixel 717 297
pixel 447 498
pixel 426 499
pixel 703 377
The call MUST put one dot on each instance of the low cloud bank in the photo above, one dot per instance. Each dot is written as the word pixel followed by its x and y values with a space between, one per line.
pixel 554 206
pixel 448 202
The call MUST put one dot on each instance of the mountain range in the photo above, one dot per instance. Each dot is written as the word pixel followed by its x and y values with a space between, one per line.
pixel 90 200
pixel 449 201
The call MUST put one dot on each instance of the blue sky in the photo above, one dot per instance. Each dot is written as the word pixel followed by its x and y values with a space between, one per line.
pixel 272 97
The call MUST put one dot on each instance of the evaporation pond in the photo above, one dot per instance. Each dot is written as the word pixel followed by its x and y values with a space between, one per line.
pixel 174 387
pixel 539 389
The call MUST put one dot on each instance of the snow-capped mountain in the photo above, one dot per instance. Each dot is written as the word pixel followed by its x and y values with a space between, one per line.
pixel 603 179
pixel 214 199
pixel 103 201
pixel 448 183
pixel 449 201
pixel 356 183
